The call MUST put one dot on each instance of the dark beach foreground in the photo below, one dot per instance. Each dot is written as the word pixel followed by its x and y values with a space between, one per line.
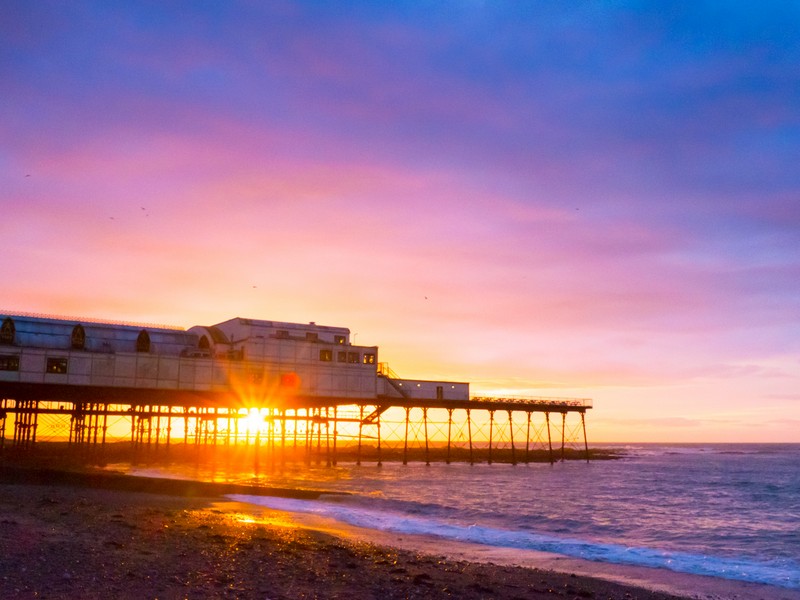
pixel 79 537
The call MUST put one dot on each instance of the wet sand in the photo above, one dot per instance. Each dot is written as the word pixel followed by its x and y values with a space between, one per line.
pixel 83 541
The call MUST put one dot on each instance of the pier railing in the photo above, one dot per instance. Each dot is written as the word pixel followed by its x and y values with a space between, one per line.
pixel 535 401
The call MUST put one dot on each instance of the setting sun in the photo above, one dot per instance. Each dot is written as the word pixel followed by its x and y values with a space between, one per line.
pixel 254 423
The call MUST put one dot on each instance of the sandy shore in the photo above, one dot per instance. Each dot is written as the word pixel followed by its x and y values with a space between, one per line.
pixel 78 541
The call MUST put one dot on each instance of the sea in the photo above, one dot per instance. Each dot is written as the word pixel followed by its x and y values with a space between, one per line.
pixel 730 511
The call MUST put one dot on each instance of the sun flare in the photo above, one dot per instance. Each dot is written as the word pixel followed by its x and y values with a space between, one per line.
pixel 254 422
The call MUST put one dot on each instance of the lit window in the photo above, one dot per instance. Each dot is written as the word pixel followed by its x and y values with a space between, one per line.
pixel 341 356
pixel 9 363
pixel 339 339
pixel 369 358
pixel 57 365
pixel 326 355
pixel 352 357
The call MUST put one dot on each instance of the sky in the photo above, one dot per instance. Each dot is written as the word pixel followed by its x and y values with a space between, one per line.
pixel 573 199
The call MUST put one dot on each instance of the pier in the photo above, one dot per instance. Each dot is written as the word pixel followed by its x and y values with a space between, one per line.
pixel 478 430
pixel 288 392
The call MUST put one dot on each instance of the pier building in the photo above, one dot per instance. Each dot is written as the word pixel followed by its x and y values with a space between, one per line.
pixel 298 385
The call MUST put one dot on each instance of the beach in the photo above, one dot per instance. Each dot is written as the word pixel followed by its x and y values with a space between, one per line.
pixel 83 541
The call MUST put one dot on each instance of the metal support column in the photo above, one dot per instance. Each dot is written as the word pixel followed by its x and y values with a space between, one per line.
pixel 425 421
pixel 528 439
pixel 105 424
pixel 335 432
pixel 282 413
pixel 469 430
pixel 405 443
pixel 327 437
pixel 585 440
pixel 360 428
pixel 491 427
pixel 449 428
pixel 511 436
pixel 3 417
pixel 378 423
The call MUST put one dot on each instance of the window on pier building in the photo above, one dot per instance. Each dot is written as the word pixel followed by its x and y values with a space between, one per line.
pixel 78 337
pixel 369 358
pixel 57 365
pixel 326 355
pixel 203 343
pixel 339 339
pixel 341 356
pixel 352 357
pixel 312 337
pixel 143 341
pixel 7 331
pixel 282 334
pixel 9 363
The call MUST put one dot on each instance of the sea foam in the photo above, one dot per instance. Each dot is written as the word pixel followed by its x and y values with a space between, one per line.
pixel 725 568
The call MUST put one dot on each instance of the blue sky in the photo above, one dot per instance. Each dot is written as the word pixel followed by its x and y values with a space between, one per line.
pixel 589 199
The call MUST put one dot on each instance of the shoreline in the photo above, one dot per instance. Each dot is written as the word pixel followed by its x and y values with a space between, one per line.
pixel 671 583
pixel 87 538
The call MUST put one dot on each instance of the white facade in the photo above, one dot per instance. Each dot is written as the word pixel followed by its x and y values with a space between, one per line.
pixel 425 390
pixel 253 359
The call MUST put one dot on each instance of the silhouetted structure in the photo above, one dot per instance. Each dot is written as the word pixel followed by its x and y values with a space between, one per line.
pixel 282 385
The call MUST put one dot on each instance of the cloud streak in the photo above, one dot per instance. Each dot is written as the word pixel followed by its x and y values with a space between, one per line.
pixel 524 197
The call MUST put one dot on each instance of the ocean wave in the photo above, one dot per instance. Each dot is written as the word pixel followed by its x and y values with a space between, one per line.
pixel 777 573
pixel 654 449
